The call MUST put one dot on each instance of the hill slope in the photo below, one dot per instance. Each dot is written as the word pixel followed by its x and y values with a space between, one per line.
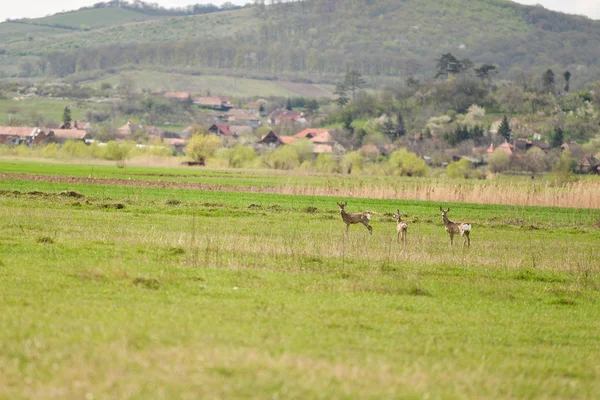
pixel 319 39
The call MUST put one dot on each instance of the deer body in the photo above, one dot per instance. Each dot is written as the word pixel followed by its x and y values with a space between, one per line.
pixel 456 228
pixel 355 218
pixel 401 227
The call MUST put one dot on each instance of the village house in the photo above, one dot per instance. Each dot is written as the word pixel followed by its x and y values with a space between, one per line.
pixel 505 147
pixel 241 117
pixel 127 130
pixel 239 130
pixel 182 96
pixel 63 135
pixel 16 135
pixel 213 103
pixel 310 133
pixel 273 139
pixel 178 144
pixel 254 108
pixel 221 130
pixel 285 117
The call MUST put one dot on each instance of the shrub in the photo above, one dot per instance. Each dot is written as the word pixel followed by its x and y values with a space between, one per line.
pixel 405 163
pixel 326 163
pixel 498 162
pixel 285 157
pixel 304 148
pixel 459 169
pixel 74 149
pixel 200 147
pixel 51 150
pixel 240 156
pixel 352 161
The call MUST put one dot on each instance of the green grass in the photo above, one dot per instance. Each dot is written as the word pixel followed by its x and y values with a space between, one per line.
pixel 171 29
pixel 168 293
pixel 93 18
pixel 48 108
pixel 222 85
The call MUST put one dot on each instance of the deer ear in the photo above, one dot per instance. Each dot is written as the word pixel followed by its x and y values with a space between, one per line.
pixel 441 209
pixel 448 209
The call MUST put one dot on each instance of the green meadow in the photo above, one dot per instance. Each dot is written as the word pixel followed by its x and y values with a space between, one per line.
pixel 114 291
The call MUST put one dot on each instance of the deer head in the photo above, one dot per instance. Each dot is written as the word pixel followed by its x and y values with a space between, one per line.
pixel 341 205
pixel 444 213
pixel 397 216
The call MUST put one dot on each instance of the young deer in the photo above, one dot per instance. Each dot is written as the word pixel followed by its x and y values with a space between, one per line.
pixel 401 227
pixel 355 218
pixel 461 228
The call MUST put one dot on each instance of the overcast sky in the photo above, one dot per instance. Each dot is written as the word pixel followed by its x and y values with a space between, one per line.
pixel 40 8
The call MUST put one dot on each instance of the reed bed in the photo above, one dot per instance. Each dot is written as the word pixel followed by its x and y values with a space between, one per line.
pixel 580 194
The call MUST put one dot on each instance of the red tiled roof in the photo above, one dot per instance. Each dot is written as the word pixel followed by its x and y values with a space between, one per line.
pixel 240 129
pixel 177 95
pixel 310 132
pixel 324 137
pixel 17 130
pixel 287 139
pixel 213 101
pixel 224 129
pixel 70 134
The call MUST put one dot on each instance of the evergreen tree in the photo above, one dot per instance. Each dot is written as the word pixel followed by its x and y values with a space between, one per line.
pixel 388 128
pixel 401 127
pixel 347 120
pixel 505 131
pixel 67 118
pixel 558 138
pixel 567 76
pixel 342 96
pixel 353 82
pixel 288 105
pixel 548 81
pixel 312 107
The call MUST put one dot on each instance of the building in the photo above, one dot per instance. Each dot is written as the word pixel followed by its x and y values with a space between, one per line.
pixel 221 130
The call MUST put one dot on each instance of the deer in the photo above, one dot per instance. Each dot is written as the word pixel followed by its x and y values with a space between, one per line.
pixel 461 228
pixel 355 218
pixel 401 227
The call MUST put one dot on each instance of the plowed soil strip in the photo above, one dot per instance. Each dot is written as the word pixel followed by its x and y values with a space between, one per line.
pixel 136 183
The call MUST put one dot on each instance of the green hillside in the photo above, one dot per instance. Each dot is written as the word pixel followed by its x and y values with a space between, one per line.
pixel 228 86
pixel 323 39
pixel 92 18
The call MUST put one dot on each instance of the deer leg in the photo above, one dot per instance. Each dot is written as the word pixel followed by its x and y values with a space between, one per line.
pixel 404 238
pixel 451 239
pixel 398 237
pixel 468 239
pixel 347 227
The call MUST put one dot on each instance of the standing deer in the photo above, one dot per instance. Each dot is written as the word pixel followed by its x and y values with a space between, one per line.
pixel 453 228
pixel 401 227
pixel 355 218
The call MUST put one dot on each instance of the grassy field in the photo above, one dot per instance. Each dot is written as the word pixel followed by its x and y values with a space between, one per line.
pixel 222 85
pixel 507 190
pixel 92 18
pixel 48 108
pixel 136 292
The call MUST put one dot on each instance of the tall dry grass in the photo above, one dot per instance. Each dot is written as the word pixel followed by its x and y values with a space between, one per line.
pixel 581 194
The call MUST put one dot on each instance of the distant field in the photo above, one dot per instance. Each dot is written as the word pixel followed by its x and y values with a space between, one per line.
pixel 48 108
pixel 149 292
pixel 10 31
pixel 223 85
pixel 93 18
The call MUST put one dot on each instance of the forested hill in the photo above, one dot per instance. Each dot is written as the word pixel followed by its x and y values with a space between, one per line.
pixel 319 39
